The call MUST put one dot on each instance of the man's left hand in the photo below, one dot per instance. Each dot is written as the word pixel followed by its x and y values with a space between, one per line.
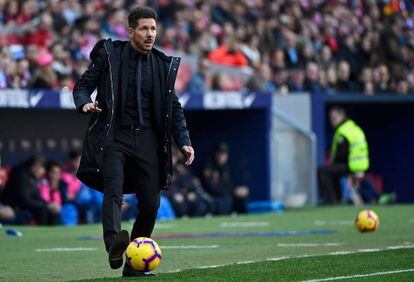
pixel 188 152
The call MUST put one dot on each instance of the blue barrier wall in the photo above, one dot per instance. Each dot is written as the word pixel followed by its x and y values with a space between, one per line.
pixel 246 132
pixel 388 122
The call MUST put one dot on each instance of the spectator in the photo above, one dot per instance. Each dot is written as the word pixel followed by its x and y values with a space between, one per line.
pixel 22 191
pixel 218 184
pixel 44 76
pixel 217 181
pixel 229 54
pixel 277 59
pixel 87 201
pixel 281 80
pixel 50 188
pixel 43 35
pixel 401 86
pixel 344 83
pixel 297 80
pixel 312 78
pixel 262 80
pixel 332 77
pixel 250 49
pixel 291 52
pixel 68 175
pixel 197 83
pixel 185 193
pixel 366 81
pixel 222 82
pixel 61 60
pixel 382 79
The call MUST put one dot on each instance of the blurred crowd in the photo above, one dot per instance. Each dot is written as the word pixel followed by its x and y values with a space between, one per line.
pixel 48 193
pixel 322 46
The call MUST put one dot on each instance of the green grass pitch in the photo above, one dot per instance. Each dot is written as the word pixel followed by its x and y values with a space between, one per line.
pixel 59 253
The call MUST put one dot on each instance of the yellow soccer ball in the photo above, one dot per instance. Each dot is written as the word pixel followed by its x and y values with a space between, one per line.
pixel 143 254
pixel 367 221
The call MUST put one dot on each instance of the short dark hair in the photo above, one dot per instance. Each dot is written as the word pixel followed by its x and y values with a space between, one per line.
pixel 339 110
pixel 140 13
pixel 35 159
pixel 73 155
pixel 51 164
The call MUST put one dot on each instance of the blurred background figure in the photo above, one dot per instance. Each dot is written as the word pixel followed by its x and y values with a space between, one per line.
pixel 22 191
pixel 349 154
pixel 218 183
pixel 197 83
pixel 229 54
pixel 185 192
pixel 50 190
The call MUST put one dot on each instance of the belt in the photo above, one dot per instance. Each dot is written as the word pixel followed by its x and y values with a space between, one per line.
pixel 132 126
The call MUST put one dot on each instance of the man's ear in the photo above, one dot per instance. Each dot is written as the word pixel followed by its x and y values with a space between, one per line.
pixel 130 31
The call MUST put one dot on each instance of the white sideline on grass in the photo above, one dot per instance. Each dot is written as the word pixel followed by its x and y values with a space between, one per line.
pixel 362 275
pixel 308 244
pixel 333 222
pixel 337 253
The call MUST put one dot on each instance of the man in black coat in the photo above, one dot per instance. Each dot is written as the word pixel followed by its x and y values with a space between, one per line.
pixel 127 148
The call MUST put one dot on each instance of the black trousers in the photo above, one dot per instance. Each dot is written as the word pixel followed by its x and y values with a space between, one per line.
pixel 329 182
pixel 137 148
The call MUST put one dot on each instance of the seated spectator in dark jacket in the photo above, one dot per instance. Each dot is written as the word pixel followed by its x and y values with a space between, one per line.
pixel 22 191
pixel 218 184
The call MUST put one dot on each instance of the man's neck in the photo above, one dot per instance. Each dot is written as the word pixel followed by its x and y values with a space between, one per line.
pixel 140 51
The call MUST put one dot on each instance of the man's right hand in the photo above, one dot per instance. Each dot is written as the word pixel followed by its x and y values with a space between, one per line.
pixel 91 107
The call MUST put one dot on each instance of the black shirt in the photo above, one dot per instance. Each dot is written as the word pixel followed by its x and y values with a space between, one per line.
pixel 130 114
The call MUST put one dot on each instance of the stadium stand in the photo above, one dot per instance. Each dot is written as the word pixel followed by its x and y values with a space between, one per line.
pixel 320 46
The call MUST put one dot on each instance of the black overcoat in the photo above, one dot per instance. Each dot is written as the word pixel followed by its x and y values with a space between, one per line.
pixel 106 75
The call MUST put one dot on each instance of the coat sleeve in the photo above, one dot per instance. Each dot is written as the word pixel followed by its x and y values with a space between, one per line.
pixel 89 80
pixel 179 125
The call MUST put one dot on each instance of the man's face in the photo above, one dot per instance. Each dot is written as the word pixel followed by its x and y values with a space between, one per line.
pixel 335 118
pixel 55 173
pixel 222 157
pixel 143 36
pixel 38 170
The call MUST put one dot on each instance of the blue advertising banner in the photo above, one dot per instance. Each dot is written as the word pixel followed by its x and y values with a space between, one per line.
pixel 55 99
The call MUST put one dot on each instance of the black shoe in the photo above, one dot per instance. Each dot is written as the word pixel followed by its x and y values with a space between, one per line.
pixel 129 272
pixel 117 249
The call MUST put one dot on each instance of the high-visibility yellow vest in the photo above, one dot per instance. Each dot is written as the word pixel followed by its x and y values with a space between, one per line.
pixel 358 157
